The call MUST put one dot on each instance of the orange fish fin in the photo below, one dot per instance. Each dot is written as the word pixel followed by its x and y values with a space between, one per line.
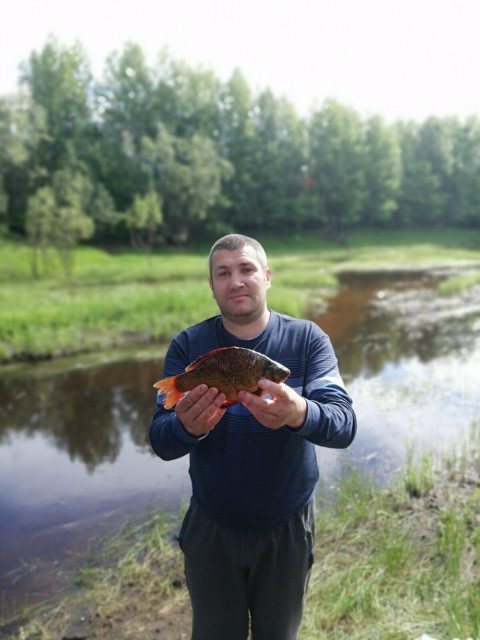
pixel 196 362
pixel 169 388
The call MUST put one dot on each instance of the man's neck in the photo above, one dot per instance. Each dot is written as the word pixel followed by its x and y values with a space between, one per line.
pixel 248 330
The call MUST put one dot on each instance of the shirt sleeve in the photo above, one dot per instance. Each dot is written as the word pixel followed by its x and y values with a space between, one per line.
pixel 330 419
pixel 168 437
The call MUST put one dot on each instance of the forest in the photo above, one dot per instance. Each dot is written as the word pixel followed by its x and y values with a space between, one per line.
pixel 170 154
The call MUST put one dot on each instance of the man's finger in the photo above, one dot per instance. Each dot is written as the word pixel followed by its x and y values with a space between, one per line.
pixel 205 400
pixel 273 388
pixel 213 406
pixel 254 402
pixel 187 401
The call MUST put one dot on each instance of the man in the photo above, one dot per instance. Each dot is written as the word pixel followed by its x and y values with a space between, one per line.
pixel 248 535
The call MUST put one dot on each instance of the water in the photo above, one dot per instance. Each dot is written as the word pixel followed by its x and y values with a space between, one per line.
pixel 74 454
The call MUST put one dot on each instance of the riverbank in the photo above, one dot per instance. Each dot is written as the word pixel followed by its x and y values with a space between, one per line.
pixel 390 562
pixel 125 299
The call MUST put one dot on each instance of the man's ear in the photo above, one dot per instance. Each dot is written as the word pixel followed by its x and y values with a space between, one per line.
pixel 268 276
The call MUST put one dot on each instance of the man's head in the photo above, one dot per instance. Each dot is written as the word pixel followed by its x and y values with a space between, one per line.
pixel 239 278
pixel 234 241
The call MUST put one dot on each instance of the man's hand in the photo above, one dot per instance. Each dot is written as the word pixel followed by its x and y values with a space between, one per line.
pixel 285 407
pixel 199 411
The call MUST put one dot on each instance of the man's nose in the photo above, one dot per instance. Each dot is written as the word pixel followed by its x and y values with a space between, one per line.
pixel 237 281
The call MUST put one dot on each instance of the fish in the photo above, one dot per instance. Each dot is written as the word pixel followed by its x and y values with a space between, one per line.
pixel 229 369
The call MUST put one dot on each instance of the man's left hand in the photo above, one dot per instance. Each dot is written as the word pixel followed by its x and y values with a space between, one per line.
pixel 284 407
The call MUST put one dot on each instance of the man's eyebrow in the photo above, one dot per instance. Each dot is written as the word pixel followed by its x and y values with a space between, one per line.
pixel 243 263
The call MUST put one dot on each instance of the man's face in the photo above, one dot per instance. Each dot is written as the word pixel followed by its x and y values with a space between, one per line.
pixel 239 284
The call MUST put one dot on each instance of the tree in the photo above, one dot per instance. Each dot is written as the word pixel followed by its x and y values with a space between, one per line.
pixel 59 81
pixel 337 156
pixel 101 209
pixel 382 172
pixel 279 140
pixel 22 133
pixel 187 100
pixel 236 141
pixel 39 224
pixel 187 173
pixel 466 173
pixel 4 135
pixel 144 219
pixel 125 98
pixel 125 113
pixel 70 222
pixel 264 140
pixel 420 200
pixel 435 147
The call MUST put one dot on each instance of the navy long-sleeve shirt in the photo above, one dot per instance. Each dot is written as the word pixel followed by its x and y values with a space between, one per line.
pixel 244 475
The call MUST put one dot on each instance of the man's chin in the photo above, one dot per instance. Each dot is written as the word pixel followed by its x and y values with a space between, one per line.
pixel 242 316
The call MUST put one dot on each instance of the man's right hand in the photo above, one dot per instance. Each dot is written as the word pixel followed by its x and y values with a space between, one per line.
pixel 199 410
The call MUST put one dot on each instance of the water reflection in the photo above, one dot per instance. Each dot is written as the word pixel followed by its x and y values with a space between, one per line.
pixel 83 413
pixel 75 460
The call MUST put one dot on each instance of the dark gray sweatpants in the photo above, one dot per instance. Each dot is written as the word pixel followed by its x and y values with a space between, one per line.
pixel 233 576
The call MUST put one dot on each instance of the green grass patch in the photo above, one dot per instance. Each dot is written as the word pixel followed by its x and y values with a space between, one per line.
pixel 459 283
pixel 48 320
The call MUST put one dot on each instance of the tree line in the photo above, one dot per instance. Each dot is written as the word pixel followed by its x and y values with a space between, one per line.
pixel 171 154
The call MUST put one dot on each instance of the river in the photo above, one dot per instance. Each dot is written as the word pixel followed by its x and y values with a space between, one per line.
pixel 74 454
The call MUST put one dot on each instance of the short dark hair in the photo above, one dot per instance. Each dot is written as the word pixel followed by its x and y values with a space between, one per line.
pixel 234 241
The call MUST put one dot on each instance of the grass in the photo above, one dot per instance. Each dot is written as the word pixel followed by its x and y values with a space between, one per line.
pixel 44 321
pixel 459 283
pixel 125 298
pixel 390 562
pixel 396 562
pixel 418 476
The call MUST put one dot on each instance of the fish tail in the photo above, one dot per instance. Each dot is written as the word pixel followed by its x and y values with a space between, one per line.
pixel 169 388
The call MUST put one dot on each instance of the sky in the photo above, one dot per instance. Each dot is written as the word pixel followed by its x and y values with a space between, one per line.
pixel 407 59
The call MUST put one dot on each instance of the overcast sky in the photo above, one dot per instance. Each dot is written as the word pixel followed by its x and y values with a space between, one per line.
pixel 398 58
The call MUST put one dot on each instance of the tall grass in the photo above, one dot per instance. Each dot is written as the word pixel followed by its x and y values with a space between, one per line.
pixel 395 563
